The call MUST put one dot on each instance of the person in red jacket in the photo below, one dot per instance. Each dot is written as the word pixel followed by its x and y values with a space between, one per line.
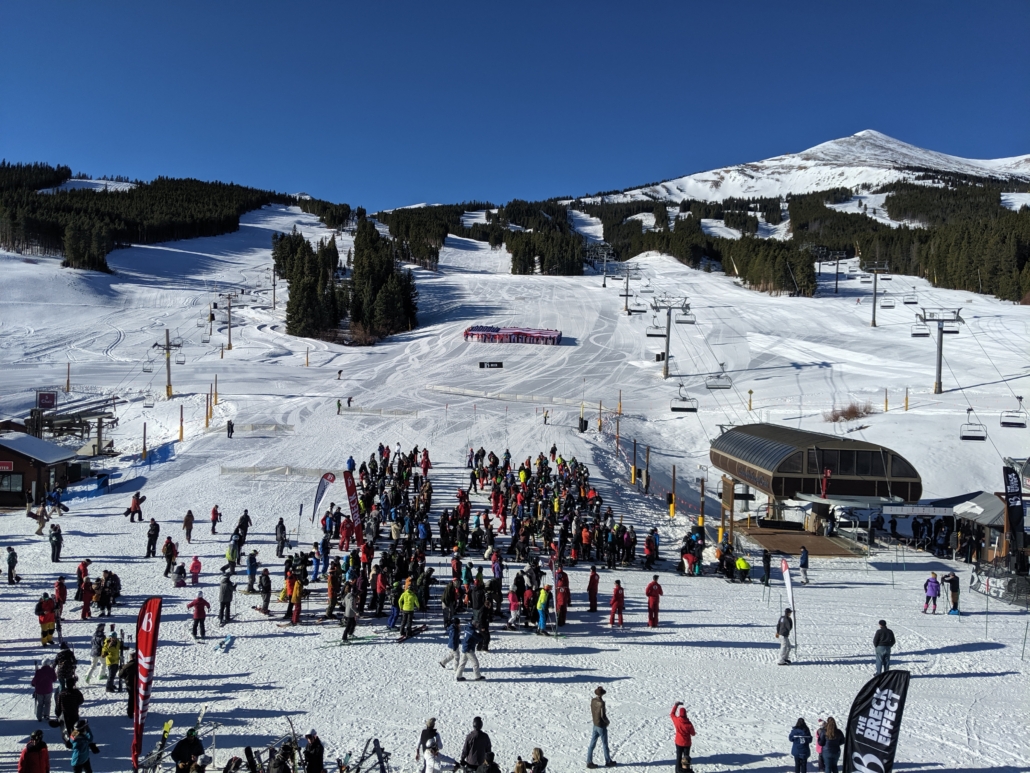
pixel 87 598
pixel 35 757
pixel 684 732
pixel 618 604
pixel 215 518
pixel 81 577
pixel 653 593
pixel 592 583
pixel 562 595
pixel 346 533
pixel 200 606
pixel 60 596
pixel 47 619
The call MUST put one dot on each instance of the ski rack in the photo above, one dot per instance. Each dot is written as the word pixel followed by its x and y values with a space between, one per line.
pixel 147 765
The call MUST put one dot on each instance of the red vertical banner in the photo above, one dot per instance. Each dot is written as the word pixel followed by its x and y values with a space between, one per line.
pixel 147 626
pixel 352 494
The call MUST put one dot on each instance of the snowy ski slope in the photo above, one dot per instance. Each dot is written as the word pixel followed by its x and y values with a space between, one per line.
pixel 715 650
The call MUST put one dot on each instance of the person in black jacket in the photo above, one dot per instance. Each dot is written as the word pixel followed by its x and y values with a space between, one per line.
pixel 883 640
pixel 477 744
pixel 264 585
pixel 766 567
pixel 129 673
pixel 69 700
pixel 153 531
pixel 314 753
pixel 187 752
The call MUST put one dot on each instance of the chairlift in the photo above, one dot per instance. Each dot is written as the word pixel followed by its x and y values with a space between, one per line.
pixel 148 400
pixel 647 288
pixel 148 365
pixel 655 330
pixel 177 341
pixel 180 358
pixel 972 430
pixel 1015 419
pixel 852 269
pixel 686 318
pixel 866 279
pixel 200 322
pixel 886 303
pixel 683 404
pixel 920 331
pixel 910 299
pixel 885 277
pixel 205 338
pixel 951 328
pixel 718 381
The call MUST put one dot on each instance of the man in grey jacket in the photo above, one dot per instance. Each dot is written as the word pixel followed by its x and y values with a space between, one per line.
pixel 783 629
pixel 883 640
pixel 225 594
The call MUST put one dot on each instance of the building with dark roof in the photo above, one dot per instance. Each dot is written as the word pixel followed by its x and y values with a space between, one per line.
pixel 29 467
pixel 782 462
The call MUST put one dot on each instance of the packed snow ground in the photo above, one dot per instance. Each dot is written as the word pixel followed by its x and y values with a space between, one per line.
pixel 715 650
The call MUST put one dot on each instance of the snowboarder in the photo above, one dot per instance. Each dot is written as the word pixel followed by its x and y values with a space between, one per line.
pixel 783 628
pixel 932 589
pixel 135 508
pixel 653 593
pixel 801 741
pixel 617 604
pixel 883 640
pixel 599 716
pixel 200 606
pixel 684 734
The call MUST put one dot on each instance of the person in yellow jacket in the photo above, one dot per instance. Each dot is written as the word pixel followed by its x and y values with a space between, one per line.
pixel 543 604
pixel 295 598
pixel 408 604
pixel 111 653
pixel 743 570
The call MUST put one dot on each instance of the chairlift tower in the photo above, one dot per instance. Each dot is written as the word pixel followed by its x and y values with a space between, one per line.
pixel 167 348
pixel 876 269
pixel 940 317
pixel 228 297
pixel 668 303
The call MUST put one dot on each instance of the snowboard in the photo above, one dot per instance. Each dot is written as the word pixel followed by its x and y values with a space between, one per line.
pixel 414 632
pixel 252 766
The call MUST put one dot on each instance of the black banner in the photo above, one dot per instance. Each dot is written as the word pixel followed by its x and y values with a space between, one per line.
pixel 1014 499
pixel 874 723
pixel 491 364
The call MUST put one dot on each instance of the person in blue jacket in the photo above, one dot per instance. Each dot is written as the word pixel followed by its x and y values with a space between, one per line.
pixel 468 653
pixel 350 463
pixel 453 642
pixel 801 741
pixel 803 565
pixel 81 740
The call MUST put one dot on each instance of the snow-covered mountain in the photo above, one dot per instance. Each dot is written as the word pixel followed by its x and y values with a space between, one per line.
pixel 868 157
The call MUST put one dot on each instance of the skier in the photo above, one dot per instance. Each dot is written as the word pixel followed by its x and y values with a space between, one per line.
pixel 252 570
pixel 599 716
pixel 280 538
pixel 96 646
pixel 543 605
pixel 170 552
pixel 428 735
pixel 684 733
pixel 883 640
pixel 314 752
pixel 617 604
pixel 225 593
pixel 932 589
pixel 592 584
pixel 199 605
pixel 69 699
pixel 187 525
pixel 783 628
pixel 35 757
pixel 112 653
pixel 187 753
pixel 12 563
pixel 653 593
pixel 476 746
pixel 135 508
pixel 468 655
pixel 801 739
pixel 953 590
pixel 803 565
pixel 265 589
pixel 42 688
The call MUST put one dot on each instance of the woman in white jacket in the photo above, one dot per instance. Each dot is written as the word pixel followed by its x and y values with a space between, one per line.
pixel 435 762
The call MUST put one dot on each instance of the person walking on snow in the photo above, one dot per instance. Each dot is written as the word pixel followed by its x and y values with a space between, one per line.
pixel 453 644
pixel 199 606
pixel 599 716
pixel 153 531
pixel 592 583
pixel 617 604
pixel 684 734
pixel 653 593
pixel 468 654
pixel 883 640
pixel 800 742
pixel 42 689
pixel 783 629
pixel 803 565
pixel 932 589
pixel 187 525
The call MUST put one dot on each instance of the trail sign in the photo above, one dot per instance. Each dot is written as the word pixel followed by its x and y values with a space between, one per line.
pixel 46 400
pixel 491 365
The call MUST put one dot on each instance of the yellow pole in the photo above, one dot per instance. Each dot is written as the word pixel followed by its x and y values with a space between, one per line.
pixel 306 353
pixel 633 469
pixel 144 441
pixel 207 417
pixel 210 401
pixel 672 501
pixel 749 393
pixel 68 379
pixel 180 424
pixel 616 436
pixel 906 398
pixel 599 402
pixel 701 516
pixel 216 389
pixel 885 399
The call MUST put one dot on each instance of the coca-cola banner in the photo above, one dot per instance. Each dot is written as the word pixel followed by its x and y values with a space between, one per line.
pixel 874 723
pixel 147 626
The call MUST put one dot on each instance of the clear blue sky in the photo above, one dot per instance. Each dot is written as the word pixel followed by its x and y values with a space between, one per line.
pixel 386 104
